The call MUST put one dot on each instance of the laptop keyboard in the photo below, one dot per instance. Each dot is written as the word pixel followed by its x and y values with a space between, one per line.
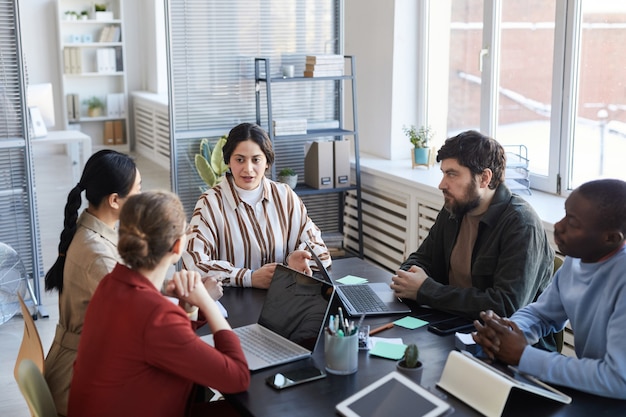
pixel 254 341
pixel 363 298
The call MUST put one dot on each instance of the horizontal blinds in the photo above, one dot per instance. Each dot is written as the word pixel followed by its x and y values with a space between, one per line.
pixel 212 49
pixel 18 227
pixel 10 96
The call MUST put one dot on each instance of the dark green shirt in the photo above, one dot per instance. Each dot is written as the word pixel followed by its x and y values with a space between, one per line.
pixel 512 261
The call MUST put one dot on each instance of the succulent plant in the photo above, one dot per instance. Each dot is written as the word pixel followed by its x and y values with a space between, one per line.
pixel 210 163
pixel 411 356
pixel 286 172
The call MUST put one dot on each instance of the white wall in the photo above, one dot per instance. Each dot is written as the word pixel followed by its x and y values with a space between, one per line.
pixel 383 37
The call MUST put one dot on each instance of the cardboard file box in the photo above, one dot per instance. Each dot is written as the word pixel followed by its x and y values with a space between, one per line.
pixel 109 135
pixel 318 164
pixel 342 163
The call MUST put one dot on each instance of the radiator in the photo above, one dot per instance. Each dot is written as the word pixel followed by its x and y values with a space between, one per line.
pixel 152 127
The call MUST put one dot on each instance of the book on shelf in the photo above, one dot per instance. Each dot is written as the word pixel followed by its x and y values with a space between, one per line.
pixel 323 67
pixel 105 60
pixel 323 73
pixel 72 61
pixel 116 105
pixel 108 137
pixel 73 107
pixel 118 132
pixel 104 34
pixel 324 58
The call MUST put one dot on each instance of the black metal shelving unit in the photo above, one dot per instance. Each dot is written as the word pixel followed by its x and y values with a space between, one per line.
pixel 264 82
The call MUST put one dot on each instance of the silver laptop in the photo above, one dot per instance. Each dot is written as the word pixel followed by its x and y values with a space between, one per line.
pixel 375 298
pixel 291 321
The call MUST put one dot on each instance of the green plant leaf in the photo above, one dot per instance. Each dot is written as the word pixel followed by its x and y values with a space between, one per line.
pixel 205 171
pixel 217 158
pixel 205 149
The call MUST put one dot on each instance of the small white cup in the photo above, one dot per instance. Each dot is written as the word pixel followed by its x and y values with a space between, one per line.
pixel 288 71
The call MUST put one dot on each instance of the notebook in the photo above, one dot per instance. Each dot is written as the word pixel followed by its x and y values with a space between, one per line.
pixel 291 320
pixel 358 299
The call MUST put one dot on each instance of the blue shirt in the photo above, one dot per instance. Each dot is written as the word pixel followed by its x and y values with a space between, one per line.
pixel 593 297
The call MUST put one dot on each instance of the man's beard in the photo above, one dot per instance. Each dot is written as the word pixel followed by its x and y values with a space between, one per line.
pixel 471 200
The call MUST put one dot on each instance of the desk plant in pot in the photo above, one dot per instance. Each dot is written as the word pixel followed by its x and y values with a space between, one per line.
pixel 420 138
pixel 410 365
pixel 210 162
pixel 289 177
pixel 95 106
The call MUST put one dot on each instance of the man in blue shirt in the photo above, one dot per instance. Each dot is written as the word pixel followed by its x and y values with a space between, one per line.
pixel 589 290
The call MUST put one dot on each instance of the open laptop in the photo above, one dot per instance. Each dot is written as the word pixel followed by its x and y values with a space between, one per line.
pixel 374 298
pixel 291 321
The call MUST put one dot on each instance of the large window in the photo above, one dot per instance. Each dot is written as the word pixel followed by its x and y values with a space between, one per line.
pixel 546 74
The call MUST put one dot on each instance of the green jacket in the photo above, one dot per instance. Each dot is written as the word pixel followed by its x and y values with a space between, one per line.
pixel 512 261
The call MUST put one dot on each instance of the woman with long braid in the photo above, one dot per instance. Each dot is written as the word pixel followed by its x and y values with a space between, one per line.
pixel 87 252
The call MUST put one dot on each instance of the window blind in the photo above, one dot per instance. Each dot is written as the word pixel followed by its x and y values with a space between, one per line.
pixel 211 51
pixel 18 215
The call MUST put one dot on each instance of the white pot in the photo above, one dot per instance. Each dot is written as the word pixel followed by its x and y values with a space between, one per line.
pixel 290 180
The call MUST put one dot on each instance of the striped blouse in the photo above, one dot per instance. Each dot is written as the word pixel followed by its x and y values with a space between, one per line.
pixel 230 238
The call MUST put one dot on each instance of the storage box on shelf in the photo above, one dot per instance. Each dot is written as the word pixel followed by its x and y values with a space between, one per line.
pixel 292 137
pixel 92 57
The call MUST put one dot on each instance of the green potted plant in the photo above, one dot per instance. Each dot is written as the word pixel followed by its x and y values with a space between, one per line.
pixel 288 176
pixel 84 15
pixel 210 163
pixel 94 106
pixel 420 139
pixel 410 364
pixel 101 13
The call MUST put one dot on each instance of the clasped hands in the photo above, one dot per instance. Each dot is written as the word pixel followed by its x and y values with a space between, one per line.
pixel 499 337
pixel 191 288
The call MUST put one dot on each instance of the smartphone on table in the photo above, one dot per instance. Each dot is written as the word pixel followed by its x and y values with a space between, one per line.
pixel 282 380
pixel 446 327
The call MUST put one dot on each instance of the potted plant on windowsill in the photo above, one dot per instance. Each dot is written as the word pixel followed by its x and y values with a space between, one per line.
pixel 94 106
pixel 210 163
pixel 410 365
pixel 289 177
pixel 420 139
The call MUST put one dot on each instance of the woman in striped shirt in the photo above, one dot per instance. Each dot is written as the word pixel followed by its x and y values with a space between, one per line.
pixel 248 223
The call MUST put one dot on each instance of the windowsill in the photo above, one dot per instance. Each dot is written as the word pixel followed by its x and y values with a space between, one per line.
pixel 549 207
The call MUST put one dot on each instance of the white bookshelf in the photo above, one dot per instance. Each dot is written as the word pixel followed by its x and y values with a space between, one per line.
pixel 93 64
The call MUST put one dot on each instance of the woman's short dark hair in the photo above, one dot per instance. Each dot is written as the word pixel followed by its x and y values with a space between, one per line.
pixel 248 131
pixel 476 152
pixel 106 172
pixel 150 224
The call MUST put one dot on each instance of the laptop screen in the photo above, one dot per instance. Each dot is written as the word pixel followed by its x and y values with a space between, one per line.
pixel 296 306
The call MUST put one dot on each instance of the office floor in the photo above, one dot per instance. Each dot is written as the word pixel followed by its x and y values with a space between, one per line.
pixel 53 180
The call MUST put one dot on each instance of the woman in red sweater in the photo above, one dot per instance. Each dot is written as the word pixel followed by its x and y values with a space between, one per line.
pixel 138 353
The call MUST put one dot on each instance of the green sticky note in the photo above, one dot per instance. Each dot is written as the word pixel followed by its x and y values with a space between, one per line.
pixel 410 322
pixel 388 350
pixel 351 280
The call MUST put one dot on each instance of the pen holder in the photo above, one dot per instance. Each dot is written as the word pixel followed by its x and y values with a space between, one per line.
pixel 341 353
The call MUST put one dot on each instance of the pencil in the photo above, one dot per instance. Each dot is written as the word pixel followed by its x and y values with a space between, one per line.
pixel 381 328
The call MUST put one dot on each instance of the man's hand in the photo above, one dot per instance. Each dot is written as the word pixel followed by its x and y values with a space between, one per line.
pixel 500 338
pixel 406 284
pixel 262 277
pixel 299 260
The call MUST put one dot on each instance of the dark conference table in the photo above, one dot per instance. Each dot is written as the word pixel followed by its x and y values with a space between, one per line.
pixel 318 398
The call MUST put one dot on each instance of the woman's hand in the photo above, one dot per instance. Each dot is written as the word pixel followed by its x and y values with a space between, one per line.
pixel 299 260
pixel 188 287
pixel 213 286
pixel 262 277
